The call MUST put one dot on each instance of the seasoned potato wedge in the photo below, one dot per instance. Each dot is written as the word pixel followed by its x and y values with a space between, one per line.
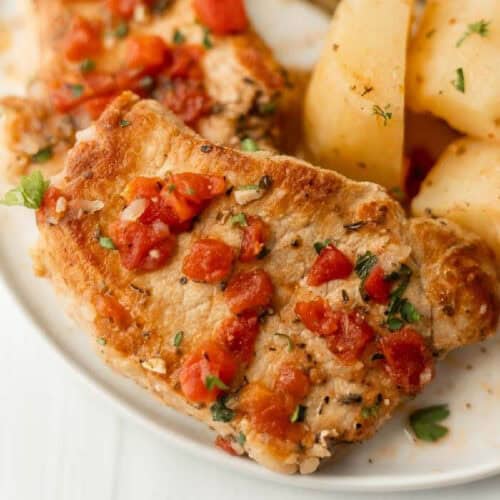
pixel 355 102
pixel 465 186
pixel 453 65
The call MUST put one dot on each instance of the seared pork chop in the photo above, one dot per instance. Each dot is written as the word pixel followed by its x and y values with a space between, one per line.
pixel 219 78
pixel 287 307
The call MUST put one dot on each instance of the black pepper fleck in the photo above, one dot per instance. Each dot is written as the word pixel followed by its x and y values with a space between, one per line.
pixel 206 148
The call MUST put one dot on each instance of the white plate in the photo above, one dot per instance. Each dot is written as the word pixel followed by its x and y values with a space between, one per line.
pixel 468 381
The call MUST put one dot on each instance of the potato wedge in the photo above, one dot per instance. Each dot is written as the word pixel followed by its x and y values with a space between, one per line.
pixel 453 65
pixel 464 186
pixel 354 106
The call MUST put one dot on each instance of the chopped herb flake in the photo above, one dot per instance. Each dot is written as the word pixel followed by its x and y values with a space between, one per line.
pixel 383 113
pixel 249 145
pixel 288 340
pixel 29 193
pixel 43 155
pixel 124 123
pixel 107 243
pixel 425 422
pixel 239 220
pixel 87 65
pixel 241 439
pixel 220 412
pixel 299 414
pixel 212 381
pixel 267 108
pixel 459 82
pixel 370 411
pixel 319 246
pixel 249 187
pixel 121 31
pixel 178 338
pixel 146 82
pixel 101 340
pixel 481 28
pixel 178 37
pixel 76 89
pixel 364 264
pixel 207 41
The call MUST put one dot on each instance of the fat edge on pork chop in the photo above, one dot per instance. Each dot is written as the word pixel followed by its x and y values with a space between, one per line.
pixel 287 307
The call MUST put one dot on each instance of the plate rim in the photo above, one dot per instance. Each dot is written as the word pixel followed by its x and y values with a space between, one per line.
pixel 127 408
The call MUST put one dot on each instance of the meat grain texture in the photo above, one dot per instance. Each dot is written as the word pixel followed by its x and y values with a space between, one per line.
pixel 252 96
pixel 454 284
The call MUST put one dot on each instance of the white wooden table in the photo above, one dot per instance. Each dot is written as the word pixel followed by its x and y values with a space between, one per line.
pixel 60 441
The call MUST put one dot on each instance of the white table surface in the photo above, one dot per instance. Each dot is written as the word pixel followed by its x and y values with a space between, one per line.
pixel 60 441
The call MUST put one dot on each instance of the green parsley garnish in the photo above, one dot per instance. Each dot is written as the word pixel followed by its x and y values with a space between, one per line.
pixel 299 414
pixel 77 89
pixel 459 82
pixel 288 339
pixel 207 41
pixel 43 155
pixel 370 411
pixel 101 340
pixel 241 439
pixel 249 187
pixel 249 145
pixel 267 108
pixel 107 243
pixel 425 422
pixel 178 338
pixel 146 82
pixel 383 113
pixel 481 28
pixel 212 381
pixel 87 65
pixel 239 219
pixel 29 193
pixel 319 246
pixel 220 412
pixel 178 37
pixel 121 31
pixel 397 193
pixel 124 123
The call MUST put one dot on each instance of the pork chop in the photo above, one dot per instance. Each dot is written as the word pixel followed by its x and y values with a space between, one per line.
pixel 222 81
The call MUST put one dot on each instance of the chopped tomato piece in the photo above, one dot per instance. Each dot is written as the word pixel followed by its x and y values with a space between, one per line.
pixel 255 235
pixel 198 188
pixel 180 207
pixel 211 359
pixel 125 8
pixel 318 316
pixel 188 100
pixel 142 187
pixel 95 107
pixel 293 382
pixel 186 63
pixel 84 39
pixel 223 17
pixel 108 307
pixel 408 359
pixel 147 52
pixel 142 247
pixel 47 208
pixel 209 261
pixel 331 264
pixel 377 287
pixel 249 291
pixel 225 445
pixel 238 335
pixel 270 412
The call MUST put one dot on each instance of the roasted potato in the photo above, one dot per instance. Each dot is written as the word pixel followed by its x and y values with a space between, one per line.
pixel 453 65
pixel 465 186
pixel 354 108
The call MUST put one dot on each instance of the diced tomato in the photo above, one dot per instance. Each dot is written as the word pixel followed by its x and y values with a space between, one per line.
pixel 125 8
pixel 377 287
pixel 198 188
pixel 210 359
pixel 351 339
pixel 47 208
pixel 108 307
pixel 318 316
pixel 225 445
pixel 209 261
pixel 255 235
pixel 181 208
pixel 270 412
pixel 188 100
pixel 408 359
pixel 249 291
pixel 95 107
pixel 238 335
pixel 293 382
pixel 142 247
pixel 142 187
pixel 223 17
pixel 84 39
pixel 331 264
pixel 147 52
pixel 186 62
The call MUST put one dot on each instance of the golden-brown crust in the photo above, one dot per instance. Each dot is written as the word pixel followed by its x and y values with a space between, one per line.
pixel 305 204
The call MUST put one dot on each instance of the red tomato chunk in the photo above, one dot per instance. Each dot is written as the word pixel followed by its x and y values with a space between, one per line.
pixel 211 359
pixel 125 8
pixel 331 264
pixel 209 261
pixel 238 335
pixel 377 287
pixel 147 52
pixel 408 359
pixel 249 291
pixel 225 445
pixel 222 16
pixel 293 382
pixel 255 235
pixel 108 307
pixel 318 316
pixel 84 39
